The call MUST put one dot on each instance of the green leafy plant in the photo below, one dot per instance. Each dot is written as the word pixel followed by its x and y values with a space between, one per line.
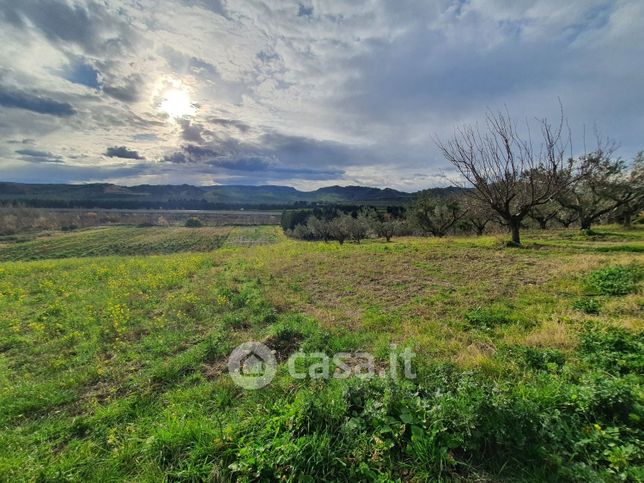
pixel 587 305
pixel 615 280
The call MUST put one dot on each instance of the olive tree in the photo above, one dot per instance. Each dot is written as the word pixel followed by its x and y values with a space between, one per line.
pixel 635 180
pixel 340 228
pixel 319 228
pixel 603 184
pixel 478 215
pixel 385 226
pixel 507 171
pixel 435 214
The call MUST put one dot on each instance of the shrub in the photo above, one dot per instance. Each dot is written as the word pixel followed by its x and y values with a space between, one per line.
pixel 193 223
pixel 587 305
pixel 614 280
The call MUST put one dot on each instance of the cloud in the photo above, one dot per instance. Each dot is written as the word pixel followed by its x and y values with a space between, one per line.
pixel 272 159
pixel 122 152
pixel 244 164
pixel 303 93
pixel 34 102
pixel 21 141
pixel 34 155
pixel 89 26
pixel 176 158
pixel 192 132
pixel 241 126
pixel 126 89
pixel 198 152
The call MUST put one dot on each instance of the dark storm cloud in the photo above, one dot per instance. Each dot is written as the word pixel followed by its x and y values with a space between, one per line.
pixel 34 102
pixel 122 152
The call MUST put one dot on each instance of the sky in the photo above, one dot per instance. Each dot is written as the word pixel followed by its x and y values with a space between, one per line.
pixel 301 93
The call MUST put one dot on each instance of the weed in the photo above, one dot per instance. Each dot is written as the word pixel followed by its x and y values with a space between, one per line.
pixel 587 305
pixel 615 280
pixel 490 317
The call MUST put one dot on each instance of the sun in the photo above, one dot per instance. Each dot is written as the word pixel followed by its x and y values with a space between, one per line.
pixel 176 103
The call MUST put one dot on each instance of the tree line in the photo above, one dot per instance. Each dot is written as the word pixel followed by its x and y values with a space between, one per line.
pixel 510 181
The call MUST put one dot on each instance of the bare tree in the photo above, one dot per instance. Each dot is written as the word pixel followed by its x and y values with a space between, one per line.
pixel 436 215
pixel 506 170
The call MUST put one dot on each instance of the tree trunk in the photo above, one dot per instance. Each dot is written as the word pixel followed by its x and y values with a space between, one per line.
pixel 514 228
pixel 480 230
pixel 543 224
pixel 585 223
pixel 627 219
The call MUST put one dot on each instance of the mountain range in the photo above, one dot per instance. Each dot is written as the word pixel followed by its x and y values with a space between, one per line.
pixel 105 195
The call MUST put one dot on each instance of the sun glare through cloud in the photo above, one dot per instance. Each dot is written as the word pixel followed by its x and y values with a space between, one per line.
pixel 176 103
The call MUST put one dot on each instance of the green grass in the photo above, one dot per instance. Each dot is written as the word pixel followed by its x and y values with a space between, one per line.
pixel 127 240
pixel 114 367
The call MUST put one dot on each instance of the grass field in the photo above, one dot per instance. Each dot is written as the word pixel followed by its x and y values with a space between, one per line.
pixel 529 360
pixel 129 240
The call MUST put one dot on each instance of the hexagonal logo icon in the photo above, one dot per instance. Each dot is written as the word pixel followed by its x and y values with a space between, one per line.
pixel 252 365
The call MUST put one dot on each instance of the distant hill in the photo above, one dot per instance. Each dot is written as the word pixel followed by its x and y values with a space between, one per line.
pixel 105 195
